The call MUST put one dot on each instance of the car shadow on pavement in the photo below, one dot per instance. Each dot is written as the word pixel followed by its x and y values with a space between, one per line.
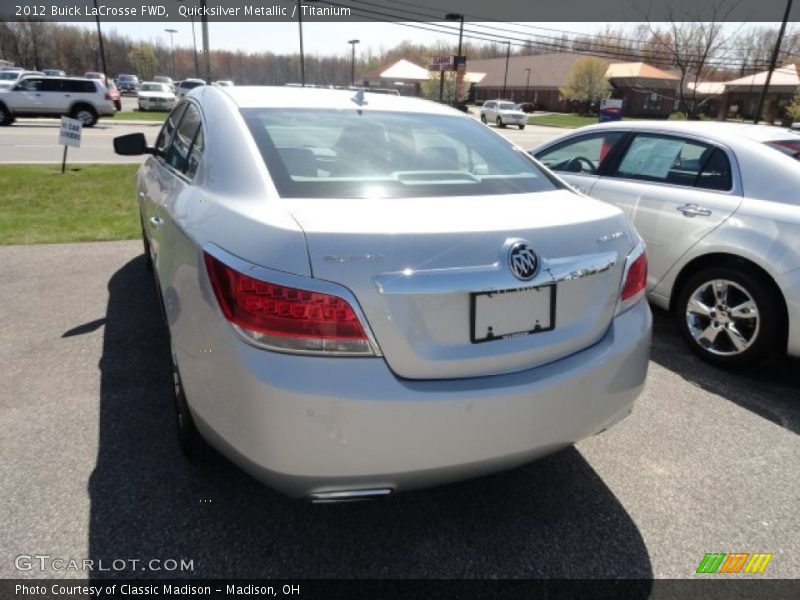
pixel 770 390
pixel 554 518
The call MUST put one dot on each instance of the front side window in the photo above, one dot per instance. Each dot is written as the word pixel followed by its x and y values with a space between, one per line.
pixel 582 155
pixel 30 84
pixel 372 154
pixel 676 161
pixel 178 153
pixel 165 135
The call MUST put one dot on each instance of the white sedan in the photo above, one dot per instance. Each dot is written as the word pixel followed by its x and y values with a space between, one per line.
pixel 154 95
pixel 718 205
pixel 502 113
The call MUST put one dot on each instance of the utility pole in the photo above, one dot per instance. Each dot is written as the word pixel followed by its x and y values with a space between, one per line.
pixel 302 56
pixel 100 40
pixel 527 83
pixel 206 52
pixel 172 33
pixel 458 66
pixel 773 62
pixel 508 57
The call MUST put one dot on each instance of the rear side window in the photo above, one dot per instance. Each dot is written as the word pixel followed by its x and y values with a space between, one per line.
pixel 318 153
pixel 675 161
pixel 582 155
pixel 790 147
pixel 196 153
pixel 177 155
pixel 165 136
pixel 80 87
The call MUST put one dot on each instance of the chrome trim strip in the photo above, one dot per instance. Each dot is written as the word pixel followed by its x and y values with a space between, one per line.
pixel 488 278
pixel 290 280
pixel 345 495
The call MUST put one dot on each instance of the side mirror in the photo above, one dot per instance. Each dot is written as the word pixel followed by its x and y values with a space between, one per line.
pixel 132 144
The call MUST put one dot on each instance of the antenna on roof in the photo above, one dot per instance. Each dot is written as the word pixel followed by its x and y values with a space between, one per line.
pixel 359 97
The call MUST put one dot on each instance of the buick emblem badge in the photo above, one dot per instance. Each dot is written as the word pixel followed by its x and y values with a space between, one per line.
pixel 522 260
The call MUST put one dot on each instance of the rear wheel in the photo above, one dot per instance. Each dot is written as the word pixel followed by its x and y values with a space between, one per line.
pixel 500 123
pixel 730 317
pixel 85 114
pixel 6 118
pixel 191 442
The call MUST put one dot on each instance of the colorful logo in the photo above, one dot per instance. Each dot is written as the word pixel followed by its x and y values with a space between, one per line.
pixel 735 562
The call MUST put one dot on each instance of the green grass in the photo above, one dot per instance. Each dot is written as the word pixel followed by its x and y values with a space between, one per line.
pixel 136 115
pixel 89 202
pixel 570 121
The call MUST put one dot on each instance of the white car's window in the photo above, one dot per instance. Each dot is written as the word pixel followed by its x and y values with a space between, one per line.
pixel 506 106
pixel 9 76
pixel 489 105
pixel 165 135
pixel 154 87
pixel 327 153
pixel 582 155
pixel 196 154
pixel 177 155
pixel 30 84
pixel 677 161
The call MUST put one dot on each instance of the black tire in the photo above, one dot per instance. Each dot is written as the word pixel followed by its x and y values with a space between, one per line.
pixel 483 119
pixel 6 118
pixel 758 332
pixel 521 127
pixel 499 123
pixel 192 444
pixel 85 113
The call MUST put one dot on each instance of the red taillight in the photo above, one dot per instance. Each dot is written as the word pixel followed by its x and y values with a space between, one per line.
pixel 284 317
pixel 636 278
pixel 108 96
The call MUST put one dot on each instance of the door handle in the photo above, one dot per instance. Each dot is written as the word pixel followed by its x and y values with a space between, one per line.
pixel 156 222
pixel 144 195
pixel 693 210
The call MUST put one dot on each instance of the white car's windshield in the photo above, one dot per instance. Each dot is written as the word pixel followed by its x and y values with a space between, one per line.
pixel 351 154
pixel 154 87
pixel 507 106
pixel 9 76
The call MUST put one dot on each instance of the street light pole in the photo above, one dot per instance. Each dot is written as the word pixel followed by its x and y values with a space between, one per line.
pixel 508 57
pixel 302 56
pixel 353 60
pixel 172 33
pixel 194 44
pixel 773 62
pixel 100 40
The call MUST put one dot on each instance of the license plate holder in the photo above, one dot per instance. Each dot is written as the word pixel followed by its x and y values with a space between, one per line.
pixel 505 314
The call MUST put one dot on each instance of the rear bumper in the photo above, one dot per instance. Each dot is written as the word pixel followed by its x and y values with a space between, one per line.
pixel 306 425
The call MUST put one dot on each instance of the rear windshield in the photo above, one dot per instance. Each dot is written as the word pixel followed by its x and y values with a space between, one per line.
pixel 191 84
pixel 316 153
pixel 790 147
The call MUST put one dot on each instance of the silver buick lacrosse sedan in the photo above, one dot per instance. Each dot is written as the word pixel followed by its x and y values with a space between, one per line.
pixel 369 293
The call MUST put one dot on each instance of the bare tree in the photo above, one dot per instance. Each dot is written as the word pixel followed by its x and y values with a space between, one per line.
pixel 690 40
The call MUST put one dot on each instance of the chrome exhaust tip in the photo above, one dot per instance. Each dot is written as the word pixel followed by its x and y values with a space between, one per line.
pixel 348 495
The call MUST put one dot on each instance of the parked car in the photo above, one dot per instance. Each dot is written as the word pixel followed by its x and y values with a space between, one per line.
pixel 718 206
pixel 114 94
pixel 11 77
pixel 40 96
pixel 392 298
pixel 95 75
pixel 502 113
pixel 165 79
pixel 155 96
pixel 54 73
pixel 127 84
pixel 184 87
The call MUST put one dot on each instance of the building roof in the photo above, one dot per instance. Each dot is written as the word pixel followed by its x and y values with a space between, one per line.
pixel 637 70
pixel 707 88
pixel 402 70
pixel 786 76
pixel 547 70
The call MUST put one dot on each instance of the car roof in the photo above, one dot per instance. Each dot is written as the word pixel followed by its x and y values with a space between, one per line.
pixel 283 97
pixel 721 130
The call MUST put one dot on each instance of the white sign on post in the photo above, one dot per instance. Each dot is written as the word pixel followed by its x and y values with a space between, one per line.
pixel 69 135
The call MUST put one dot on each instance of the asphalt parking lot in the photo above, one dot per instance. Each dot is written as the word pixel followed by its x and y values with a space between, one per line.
pixel 708 461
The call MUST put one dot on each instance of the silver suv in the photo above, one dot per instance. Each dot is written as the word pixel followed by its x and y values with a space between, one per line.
pixel 79 98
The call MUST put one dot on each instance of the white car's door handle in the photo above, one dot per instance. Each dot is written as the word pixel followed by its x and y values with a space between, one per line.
pixel 156 222
pixel 693 210
pixel 144 195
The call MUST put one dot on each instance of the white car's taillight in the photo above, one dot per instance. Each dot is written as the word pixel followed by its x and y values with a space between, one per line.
pixel 634 281
pixel 284 318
